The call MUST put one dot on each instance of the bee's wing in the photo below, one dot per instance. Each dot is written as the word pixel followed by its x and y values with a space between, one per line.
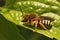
pixel 49 16
pixel 46 18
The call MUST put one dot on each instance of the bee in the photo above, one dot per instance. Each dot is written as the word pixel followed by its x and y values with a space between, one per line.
pixel 36 20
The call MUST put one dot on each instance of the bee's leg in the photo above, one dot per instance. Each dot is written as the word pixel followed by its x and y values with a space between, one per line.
pixel 28 22
pixel 43 26
pixel 36 22
pixel 32 22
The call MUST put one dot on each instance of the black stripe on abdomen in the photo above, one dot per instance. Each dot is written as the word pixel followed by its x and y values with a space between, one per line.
pixel 45 22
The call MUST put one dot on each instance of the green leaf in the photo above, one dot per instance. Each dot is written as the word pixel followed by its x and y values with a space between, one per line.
pixel 8 30
pixel 49 9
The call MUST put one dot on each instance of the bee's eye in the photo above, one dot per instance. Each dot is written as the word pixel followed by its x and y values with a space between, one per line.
pixel 25 19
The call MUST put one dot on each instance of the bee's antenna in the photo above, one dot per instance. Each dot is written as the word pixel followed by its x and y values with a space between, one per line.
pixel 21 10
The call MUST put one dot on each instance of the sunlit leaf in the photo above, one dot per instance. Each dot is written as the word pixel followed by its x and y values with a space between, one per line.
pixel 47 8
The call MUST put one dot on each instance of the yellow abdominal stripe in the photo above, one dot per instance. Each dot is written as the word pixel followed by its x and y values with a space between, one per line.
pixel 47 22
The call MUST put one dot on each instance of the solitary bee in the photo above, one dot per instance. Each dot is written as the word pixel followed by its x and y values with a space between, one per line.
pixel 36 20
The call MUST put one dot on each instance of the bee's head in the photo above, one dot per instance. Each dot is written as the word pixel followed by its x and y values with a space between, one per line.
pixel 25 18
pixel 28 17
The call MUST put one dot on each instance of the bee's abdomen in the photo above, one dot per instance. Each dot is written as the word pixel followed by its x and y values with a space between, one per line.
pixel 46 22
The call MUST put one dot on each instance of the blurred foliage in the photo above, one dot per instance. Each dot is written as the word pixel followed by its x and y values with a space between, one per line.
pixel 10 16
pixel 8 30
pixel 2 3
